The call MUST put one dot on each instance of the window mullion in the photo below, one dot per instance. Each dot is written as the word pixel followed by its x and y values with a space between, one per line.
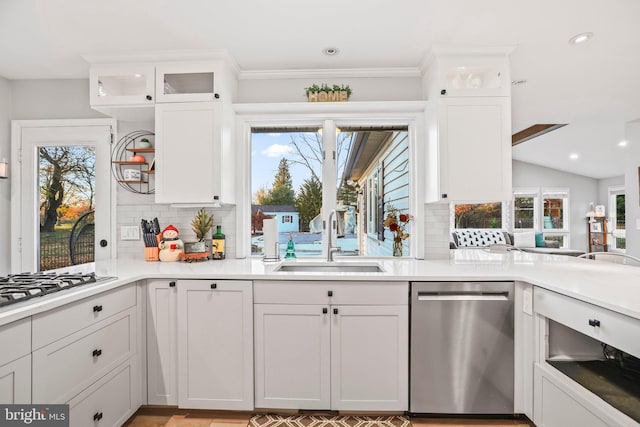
pixel 328 178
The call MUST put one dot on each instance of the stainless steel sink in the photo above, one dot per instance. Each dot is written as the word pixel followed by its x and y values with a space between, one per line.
pixel 331 267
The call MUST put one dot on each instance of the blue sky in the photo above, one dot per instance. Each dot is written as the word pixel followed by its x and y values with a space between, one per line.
pixel 266 151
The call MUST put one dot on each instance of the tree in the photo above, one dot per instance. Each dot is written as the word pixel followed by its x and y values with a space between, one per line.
pixel 67 176
pixel 309 201
pixel 281 193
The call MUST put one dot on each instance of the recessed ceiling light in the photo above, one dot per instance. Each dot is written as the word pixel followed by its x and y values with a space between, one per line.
pixel 622 143
pixel 580 38
pixel 331 51
pixel 137 75
pixel 574 156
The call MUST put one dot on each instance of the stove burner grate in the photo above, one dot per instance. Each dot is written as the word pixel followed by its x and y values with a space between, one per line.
pixel 23 286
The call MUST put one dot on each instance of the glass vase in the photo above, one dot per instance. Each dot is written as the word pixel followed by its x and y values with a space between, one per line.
pixel 397 247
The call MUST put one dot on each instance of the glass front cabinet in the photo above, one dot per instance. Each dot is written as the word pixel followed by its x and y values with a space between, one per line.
pixel 122 84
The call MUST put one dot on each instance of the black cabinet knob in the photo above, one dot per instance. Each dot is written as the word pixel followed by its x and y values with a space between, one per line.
pixel 594 323
pixel 172 284
pixel 214 285
pixel 97 416
pixel 335 311
pixel 330 293
pixel 444 195
pixel 97 352
pixel 97 308
pixel 324 310
pixel 443 92
pixel 149 97
pixel 103 243
pixel 216 95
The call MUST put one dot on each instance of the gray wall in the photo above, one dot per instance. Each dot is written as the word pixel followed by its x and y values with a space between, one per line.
pixel 632 199
pixel 5 185
pixel 582 191
pixel 51 99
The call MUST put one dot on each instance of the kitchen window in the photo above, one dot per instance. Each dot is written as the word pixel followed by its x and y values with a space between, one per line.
pixel 544 210
pixel 355 170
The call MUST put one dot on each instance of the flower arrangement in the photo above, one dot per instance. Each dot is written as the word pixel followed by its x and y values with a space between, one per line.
pixel 397 223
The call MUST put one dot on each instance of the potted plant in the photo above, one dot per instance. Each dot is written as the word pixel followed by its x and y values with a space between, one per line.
pixel 326 93
pixel 201 225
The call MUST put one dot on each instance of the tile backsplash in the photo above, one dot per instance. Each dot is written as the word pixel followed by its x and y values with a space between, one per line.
pixel 130 214
pixel 436 231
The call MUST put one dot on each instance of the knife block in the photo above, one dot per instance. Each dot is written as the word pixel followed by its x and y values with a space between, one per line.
pixel 152 254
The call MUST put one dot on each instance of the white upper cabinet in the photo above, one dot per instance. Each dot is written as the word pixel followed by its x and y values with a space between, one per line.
pixel 191 154
pixel 475 149
pixel 469 126
pixel 122 84
pixel 187 81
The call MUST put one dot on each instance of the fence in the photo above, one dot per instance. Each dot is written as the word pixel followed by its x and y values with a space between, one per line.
pixel 54 249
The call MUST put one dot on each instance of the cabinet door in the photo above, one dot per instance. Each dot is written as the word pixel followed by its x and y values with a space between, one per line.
pixel 162 346
pixel 215 344
pixel 188 152
pixel 186 82
pixel 369 358
pixel 116 84
pixel 292 356
pixel 15 381
pixel 475 148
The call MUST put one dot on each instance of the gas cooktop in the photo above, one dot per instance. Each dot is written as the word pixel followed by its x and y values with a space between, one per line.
pixel 21 287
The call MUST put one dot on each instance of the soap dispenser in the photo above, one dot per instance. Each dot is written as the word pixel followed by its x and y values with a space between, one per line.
pixel 291 250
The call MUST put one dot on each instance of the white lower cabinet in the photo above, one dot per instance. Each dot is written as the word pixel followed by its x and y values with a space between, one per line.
pixel 162 345
pixel 215 344
pixel 293 356
pixel 337 347
pixel 15 381
pixel 108 402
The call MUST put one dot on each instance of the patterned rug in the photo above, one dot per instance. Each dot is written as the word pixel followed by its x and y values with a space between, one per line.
pixel 271 420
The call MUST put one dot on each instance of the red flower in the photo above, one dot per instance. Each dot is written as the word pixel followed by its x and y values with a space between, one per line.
pixel 393 227
pixel 404 217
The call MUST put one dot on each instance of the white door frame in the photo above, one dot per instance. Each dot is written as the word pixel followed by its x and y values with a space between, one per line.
pixel 17 127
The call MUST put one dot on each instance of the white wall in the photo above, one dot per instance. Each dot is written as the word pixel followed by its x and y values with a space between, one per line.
pixel 363 89
pixel 632 198
pixel 582 191
pixel 5 185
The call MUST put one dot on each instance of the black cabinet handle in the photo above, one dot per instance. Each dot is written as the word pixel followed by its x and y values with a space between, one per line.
pixel 444 195
pixel 329 293
pixel 172 284
pixel 594 322
pixel 214 285
pixel 97 416
pixel 97 308
pixel 335 311
pixel 97 352
pixel 149 97
pixel 324 310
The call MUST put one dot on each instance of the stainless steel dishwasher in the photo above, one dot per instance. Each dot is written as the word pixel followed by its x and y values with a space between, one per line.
pixel 462 348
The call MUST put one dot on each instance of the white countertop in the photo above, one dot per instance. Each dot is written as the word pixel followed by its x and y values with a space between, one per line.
pixel 609 285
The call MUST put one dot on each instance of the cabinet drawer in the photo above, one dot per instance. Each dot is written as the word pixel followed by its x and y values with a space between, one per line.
pixel 55 324
pixel 600 323
pixel 63 369
pixel 17 333
pixel 317 292
pixel 108 402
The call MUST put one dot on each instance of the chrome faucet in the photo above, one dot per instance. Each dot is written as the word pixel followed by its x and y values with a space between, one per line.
pixel 330 248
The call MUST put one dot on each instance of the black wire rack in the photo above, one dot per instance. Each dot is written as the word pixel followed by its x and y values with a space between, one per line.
pixel 128 146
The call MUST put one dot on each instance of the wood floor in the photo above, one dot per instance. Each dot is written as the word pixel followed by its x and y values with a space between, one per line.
pixel 173 417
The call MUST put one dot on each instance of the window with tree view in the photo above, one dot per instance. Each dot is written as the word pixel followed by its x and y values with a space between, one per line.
pixel 478 215
pixel 67 196
pixel 290 168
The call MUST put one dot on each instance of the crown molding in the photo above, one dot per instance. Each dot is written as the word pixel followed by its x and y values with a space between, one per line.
pixel 439 51
pixel 327 73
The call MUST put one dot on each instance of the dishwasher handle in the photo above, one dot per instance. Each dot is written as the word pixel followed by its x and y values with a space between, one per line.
pixel 463 296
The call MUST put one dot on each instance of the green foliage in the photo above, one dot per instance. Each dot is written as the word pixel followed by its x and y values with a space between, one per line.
pixel 202 224
pixel 309 201
pixel 481 215
pixel 281 193
pixel 314 88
